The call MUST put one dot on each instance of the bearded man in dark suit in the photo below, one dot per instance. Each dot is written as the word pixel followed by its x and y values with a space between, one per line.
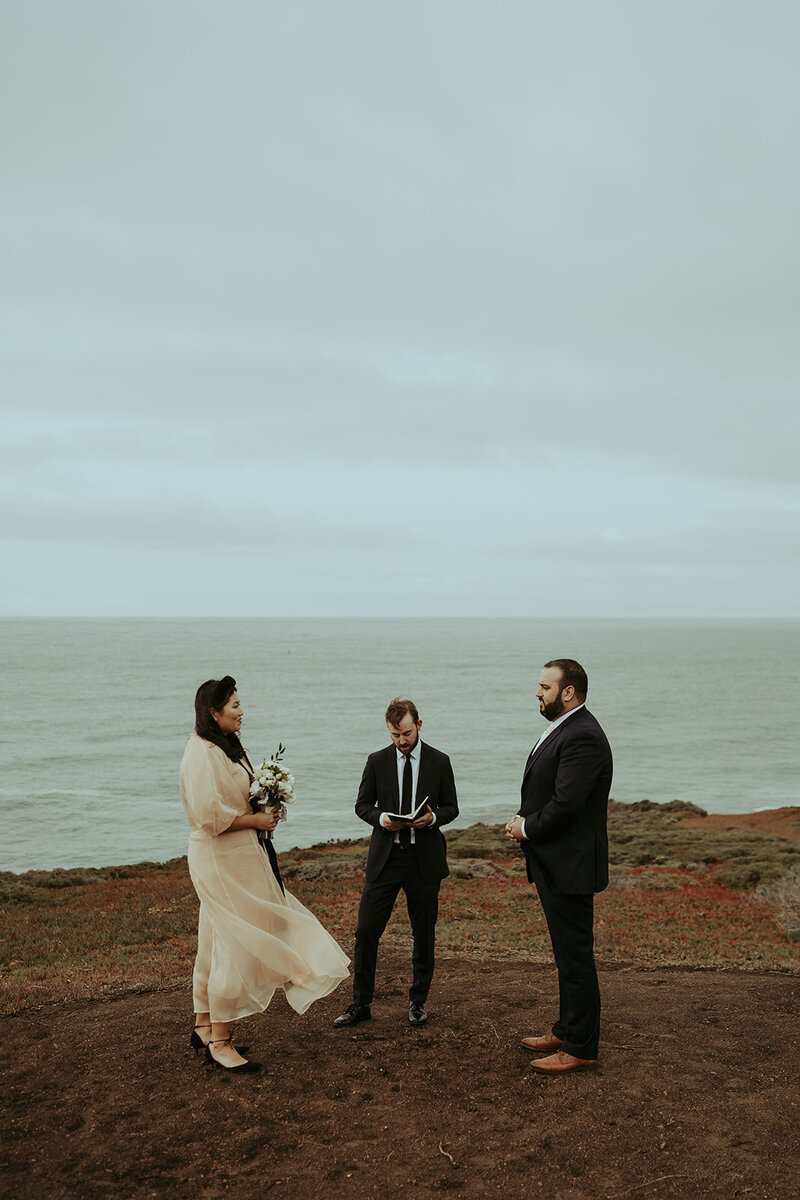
pixel 402 855
pixel 561 826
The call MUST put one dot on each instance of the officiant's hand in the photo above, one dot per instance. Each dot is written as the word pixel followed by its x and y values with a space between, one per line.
pixel 393 826
pixel 425 819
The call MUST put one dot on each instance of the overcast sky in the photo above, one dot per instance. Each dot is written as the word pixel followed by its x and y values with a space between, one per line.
pixel 428 308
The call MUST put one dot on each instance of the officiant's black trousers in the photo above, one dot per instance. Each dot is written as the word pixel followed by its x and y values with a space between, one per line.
pixel 570 920
pixel 377 901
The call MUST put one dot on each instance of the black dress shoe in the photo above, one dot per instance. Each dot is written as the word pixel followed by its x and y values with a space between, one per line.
pixel 352 1014
pixel 416 1014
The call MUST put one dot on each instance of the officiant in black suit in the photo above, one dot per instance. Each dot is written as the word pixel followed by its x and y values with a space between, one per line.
pixel 561 826
pixel 403 777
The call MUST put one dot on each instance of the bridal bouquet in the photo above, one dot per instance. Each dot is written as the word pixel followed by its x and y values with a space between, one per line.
pixel 273 785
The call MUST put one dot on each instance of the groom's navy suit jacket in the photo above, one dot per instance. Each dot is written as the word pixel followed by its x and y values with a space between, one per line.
pixel 564 805
pixel 379 793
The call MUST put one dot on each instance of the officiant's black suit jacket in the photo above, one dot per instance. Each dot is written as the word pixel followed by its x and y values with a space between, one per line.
pixel 565 802
pixel 379 793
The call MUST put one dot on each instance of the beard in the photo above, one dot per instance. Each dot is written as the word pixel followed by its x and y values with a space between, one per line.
pixel 553 710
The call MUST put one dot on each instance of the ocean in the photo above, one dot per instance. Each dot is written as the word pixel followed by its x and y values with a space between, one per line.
pixel 96 716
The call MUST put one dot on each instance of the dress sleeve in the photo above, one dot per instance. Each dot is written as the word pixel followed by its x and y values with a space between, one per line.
pixel 210 795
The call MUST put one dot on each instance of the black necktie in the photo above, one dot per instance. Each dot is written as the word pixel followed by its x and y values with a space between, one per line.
pixel 405 803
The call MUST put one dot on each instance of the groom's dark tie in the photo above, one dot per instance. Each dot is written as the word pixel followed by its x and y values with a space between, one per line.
pixel 405 803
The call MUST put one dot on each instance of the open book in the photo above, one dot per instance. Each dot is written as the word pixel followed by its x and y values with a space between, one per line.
pixel 407 818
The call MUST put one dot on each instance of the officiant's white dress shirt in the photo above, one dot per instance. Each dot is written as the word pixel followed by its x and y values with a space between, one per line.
pixel 401 766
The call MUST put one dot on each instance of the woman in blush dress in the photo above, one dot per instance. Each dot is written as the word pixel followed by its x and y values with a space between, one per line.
pixel 253 937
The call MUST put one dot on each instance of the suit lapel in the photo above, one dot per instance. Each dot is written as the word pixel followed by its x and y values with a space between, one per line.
pixel 533 756
pixel 550 740
pixel 391 784
pixel 423 789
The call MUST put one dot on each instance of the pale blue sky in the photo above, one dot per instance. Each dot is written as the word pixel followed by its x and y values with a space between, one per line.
pixel 438 309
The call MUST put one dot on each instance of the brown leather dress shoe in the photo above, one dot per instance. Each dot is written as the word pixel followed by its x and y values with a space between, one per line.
pixel 561 1061
pixel 548 1041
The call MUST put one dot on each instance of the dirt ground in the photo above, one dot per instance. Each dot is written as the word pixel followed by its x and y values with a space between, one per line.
pixel 695 1096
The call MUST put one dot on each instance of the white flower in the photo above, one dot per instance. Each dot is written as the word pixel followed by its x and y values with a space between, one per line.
pixel 274 784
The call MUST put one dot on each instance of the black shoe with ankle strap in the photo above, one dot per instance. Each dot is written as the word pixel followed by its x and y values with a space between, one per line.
pixel 197 1043
pixel 245 1068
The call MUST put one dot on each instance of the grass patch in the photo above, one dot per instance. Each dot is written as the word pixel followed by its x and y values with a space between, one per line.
pixel 678 896
pixel 783 897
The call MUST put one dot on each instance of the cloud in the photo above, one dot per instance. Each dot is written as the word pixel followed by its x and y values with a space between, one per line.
pixel 408 284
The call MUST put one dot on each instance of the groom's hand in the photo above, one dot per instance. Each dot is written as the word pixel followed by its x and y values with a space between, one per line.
pixel 425 819
pixel 514 829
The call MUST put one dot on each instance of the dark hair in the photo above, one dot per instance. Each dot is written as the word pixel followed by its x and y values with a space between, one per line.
pixel 399 709
pixel 215 693
pixel 572 675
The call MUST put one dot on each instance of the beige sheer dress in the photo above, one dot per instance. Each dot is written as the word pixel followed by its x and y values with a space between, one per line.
pixel 251 937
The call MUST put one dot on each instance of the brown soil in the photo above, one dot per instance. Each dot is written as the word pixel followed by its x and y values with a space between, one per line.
pixel 695 1096
pixel 783 822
